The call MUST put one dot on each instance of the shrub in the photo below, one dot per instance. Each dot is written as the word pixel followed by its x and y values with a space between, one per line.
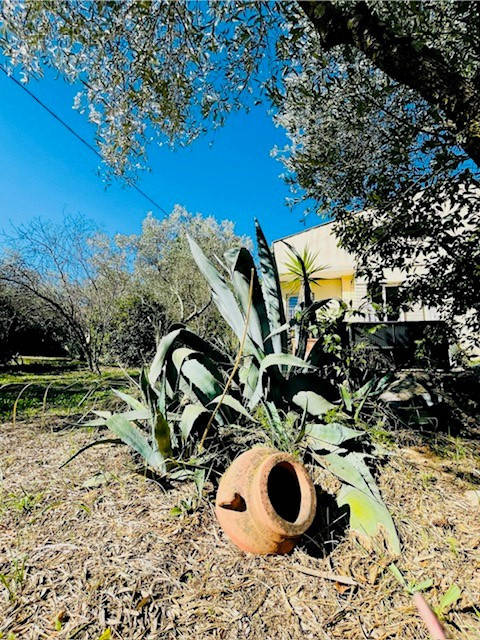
pixel 135 326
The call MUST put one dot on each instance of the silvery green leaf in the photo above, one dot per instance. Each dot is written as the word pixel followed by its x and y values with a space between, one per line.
pixel 315 404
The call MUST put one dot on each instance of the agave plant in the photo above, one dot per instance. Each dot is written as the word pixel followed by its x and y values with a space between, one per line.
pixel 192 385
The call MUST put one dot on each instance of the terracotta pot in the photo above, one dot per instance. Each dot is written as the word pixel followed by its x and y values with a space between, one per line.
pixel 265 501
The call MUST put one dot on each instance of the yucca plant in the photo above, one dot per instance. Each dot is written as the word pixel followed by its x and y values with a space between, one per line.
pixel 192 387
pixel 302 269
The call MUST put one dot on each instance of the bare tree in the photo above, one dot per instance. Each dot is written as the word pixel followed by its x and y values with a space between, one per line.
pixel 74 271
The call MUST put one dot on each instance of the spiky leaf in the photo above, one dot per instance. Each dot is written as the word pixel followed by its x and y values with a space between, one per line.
pixel 369 518
pixel 180 336
pixel 234 404
pixel 368 514
pixel 222 296
pixel 274 360
pixel 197 371
pixel 242 265
pixel 190 415
pixel 134 438
pixel 130 400
pixel 161 436
pixel 272 292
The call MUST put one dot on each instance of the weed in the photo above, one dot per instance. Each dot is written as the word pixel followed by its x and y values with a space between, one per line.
pixel 453 545
pixel 23 503
pixel 412 586
pixel 13 579
pixel 428 479
pixel 449 598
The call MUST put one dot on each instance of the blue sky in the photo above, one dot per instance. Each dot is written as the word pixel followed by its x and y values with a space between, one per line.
pixel 45 171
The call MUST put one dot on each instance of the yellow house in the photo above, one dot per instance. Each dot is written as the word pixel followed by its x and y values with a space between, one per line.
pixel 337 278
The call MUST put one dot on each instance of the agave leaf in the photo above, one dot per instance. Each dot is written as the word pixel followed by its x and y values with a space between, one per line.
pixel 190 415
pixel 234 404
pixel 315 404
pixel 96 422
pixel 272 360
pixel 149 392
pixel 248 375
pixel 140 414
pixel 351 469
pixel 272 292
pixel 159 359
pixel 130 400
pixel 222 296
pixel 320 436
pixel 134 438
pixel 102 414
pixel 100 421
pixel 183 336
pixel 369 517
pixel 242 264
pixel 276 332
pixel 346 397
pixel 161 435
pixel 368 513
pixel 286 359
pixel 162 395
pixel 91 444
pixel 187 362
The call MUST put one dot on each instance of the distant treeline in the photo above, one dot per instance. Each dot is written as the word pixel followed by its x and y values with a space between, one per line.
pixel 68 290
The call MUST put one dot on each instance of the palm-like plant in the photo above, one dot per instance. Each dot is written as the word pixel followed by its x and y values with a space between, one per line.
pixel 302 269
pixel 192 384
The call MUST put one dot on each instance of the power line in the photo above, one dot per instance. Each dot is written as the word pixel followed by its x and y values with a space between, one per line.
pixel 77 135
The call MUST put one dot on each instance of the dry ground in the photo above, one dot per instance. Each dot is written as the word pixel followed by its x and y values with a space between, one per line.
pixel 112 561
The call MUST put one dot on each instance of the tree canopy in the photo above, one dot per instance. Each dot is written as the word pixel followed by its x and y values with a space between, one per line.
pixel 379 99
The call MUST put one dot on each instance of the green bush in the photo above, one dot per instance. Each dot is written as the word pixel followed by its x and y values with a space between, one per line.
pixel 132 336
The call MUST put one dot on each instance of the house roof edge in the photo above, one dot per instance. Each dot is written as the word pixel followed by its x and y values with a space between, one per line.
pixel 297 233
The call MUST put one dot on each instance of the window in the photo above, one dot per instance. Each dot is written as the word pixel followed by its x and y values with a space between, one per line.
pixel 391 302
pixel 292 302
pixel 385 299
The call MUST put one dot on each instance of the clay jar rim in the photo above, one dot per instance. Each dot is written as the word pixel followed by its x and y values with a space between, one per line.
pixel 308 499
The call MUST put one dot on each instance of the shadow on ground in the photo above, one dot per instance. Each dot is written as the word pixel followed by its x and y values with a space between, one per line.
pixel 328 528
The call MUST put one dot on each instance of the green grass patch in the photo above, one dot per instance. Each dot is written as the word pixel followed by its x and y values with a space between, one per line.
pixel 56 387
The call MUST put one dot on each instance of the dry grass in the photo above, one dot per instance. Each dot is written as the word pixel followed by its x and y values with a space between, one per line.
pixel 79 561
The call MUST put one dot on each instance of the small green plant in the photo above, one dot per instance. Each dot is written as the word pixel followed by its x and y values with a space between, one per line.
pixel 22 503
pixel 449 598
pixel 412 586
pixel 14 579
pixel 190 504
pixel 284 431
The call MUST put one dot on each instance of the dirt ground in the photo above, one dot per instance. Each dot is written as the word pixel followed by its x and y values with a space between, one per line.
pixel 91 556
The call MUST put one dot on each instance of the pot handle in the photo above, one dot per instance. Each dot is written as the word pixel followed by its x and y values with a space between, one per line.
pixel 237 503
